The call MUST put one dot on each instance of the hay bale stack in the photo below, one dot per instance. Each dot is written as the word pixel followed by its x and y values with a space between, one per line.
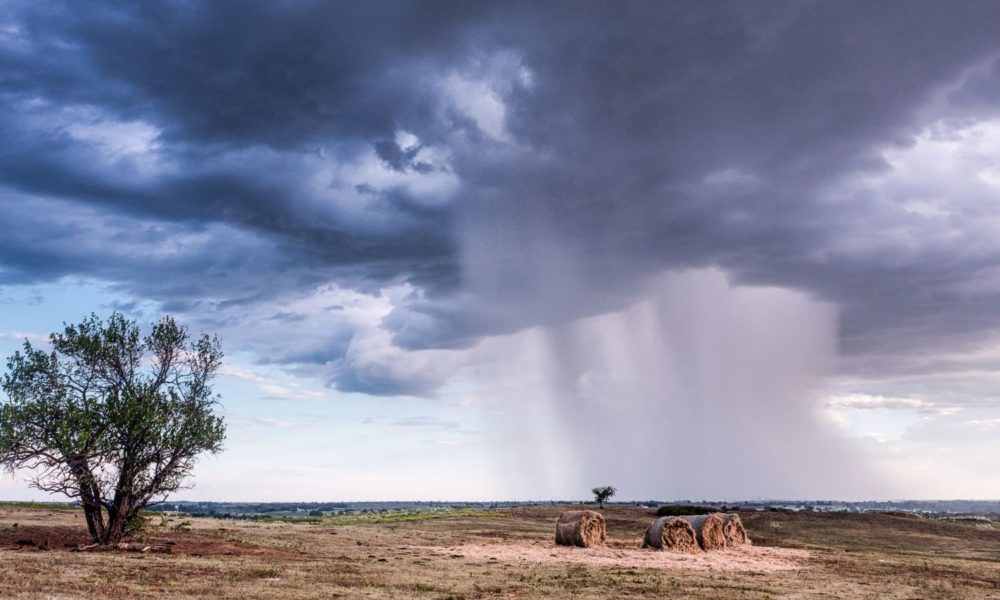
pixel 583 528
pixel 671 533
pixel 708 531
pixel 732 528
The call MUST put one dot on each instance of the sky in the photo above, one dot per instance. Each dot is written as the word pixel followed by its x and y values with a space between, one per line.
pixel 478 250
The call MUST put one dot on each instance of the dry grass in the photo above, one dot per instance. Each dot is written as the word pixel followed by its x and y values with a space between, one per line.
pixel 673 534
pixel 851 556
pixel 584 528
pixel 732 527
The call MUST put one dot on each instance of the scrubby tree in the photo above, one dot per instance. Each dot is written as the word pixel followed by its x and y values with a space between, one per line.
pixel 110 417
pixel 603 493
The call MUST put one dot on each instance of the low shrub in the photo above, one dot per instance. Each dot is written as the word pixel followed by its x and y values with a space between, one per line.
pixel 678 510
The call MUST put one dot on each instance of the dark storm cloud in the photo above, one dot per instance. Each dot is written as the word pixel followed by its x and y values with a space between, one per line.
pixel 218 80
pixel 686 137
pixel 235 72
pixel 635 137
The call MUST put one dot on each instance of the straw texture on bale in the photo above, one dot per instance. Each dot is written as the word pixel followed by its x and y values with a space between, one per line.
pixel 582 528
pixel 708 531
pixel 732 528
pixel 671 533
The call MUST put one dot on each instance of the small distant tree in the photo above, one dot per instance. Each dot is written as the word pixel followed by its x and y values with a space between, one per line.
pixel 111 418
pixel 602 494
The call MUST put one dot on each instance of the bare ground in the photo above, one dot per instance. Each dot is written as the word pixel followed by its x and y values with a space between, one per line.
pixel 751 559
pixel 503 554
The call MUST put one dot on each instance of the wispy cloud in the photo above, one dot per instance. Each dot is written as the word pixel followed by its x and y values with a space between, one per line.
pixel 426 423
pixel 448 443
pixel 272 389
pixel 422 423
pixel 275 423
pixel 20 336
pixel 984 424
pixel 874 402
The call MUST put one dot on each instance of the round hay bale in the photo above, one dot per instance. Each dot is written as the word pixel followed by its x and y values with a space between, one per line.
pixel 732 528
pixel 671 533
pixel 583 528
pixel 708 531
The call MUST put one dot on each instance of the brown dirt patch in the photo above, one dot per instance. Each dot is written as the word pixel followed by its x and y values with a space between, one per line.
pixel 40 538
pixel 630 555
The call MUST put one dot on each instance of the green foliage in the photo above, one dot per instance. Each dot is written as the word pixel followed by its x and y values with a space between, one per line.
pixel 182 526
pixel 603 493
pixel 388 517
pixel 111 417
pixel 139 522
pixel 677 510
pixel 412 516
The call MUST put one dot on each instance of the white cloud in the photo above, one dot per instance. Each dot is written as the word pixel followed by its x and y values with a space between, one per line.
pixel 276 423
pixel 275 384
pixel 20 336
pixel 116 140
pixel 349 188
pixel 477 100
pixel 874 402
pixel 334 335
pixel 372 360
pixel 479 92
pixel 129 148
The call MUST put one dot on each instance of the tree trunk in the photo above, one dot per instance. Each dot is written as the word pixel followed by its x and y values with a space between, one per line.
pixel 95 522
pixel 89 499
pixel 118 517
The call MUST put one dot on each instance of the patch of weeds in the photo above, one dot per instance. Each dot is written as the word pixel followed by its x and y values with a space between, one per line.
pixel 419 586
pixel 677 510
pixel 411 516
pixel 261 573
pixel 38 506
pixel 182 526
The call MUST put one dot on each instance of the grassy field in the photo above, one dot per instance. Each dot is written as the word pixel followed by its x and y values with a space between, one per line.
pixel 503 554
